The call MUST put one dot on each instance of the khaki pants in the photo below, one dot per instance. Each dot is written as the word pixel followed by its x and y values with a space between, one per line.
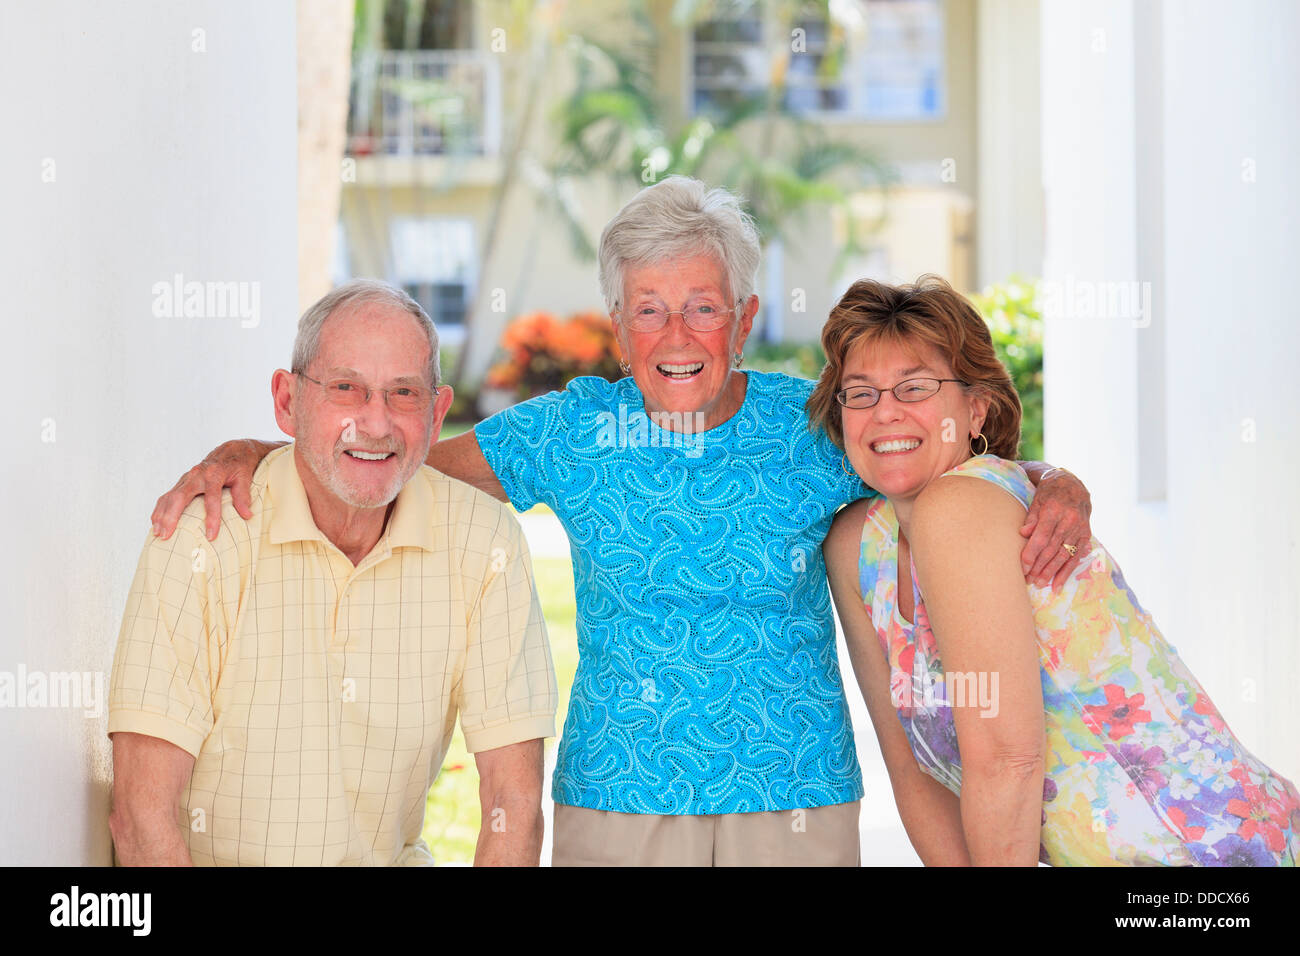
pixel 819 836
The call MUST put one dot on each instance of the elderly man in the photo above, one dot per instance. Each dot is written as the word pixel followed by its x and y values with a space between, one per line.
pixel 285 694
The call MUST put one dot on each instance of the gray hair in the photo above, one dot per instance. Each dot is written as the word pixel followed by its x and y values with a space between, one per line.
pixel 359 292
pixel 677 218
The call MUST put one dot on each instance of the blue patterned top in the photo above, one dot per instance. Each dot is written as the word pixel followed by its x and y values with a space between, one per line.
pixel 708 680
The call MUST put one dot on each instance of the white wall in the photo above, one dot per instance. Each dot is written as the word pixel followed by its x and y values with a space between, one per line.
pixel 164 159
pixel 1170 135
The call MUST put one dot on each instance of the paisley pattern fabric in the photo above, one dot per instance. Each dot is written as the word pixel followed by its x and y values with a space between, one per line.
pixel 1140 767
pixel 707 680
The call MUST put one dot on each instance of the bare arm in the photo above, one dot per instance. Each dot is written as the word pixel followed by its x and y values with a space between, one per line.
pixel 930 812
pixel 966 549
pixel 510 796
pixel 231 465
pixel 461 458
pixel 1058 516
pixel 149 775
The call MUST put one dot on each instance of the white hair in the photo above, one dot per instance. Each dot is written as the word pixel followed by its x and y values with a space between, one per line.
pixel 358 292
pixel 677 218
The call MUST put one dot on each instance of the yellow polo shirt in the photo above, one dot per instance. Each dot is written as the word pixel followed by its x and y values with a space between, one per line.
pixel 318 698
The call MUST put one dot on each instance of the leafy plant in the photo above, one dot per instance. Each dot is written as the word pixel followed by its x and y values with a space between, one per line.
pixel 614 124
pixel 800 359
pixel 542 353
pixel 1011 310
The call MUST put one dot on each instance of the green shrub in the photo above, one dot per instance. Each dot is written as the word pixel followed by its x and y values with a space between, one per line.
pixel 800 359
pixel 1011 310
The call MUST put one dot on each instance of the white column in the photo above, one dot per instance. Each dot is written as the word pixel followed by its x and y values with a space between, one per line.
pixel 1170 132
pixel 148 140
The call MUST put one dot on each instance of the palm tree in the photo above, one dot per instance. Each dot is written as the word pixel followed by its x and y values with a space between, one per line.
pixel 615 124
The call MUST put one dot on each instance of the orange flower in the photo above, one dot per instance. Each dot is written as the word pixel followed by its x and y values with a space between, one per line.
pixel 1262 815
pixel 543 353
pixel 503 375
pixel 528 332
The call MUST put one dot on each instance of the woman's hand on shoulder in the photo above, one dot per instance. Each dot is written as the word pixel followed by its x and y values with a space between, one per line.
pixel 1058 516
pixel 229 465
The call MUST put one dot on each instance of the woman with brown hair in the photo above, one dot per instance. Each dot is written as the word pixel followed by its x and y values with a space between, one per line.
pixel 1019 723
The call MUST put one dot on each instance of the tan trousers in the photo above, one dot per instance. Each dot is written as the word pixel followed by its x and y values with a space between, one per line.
pixel 819 836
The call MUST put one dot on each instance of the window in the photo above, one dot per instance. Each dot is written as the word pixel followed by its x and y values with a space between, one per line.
pixel 339 269
pixel 434 261
pixel 421 86
pixel 875 60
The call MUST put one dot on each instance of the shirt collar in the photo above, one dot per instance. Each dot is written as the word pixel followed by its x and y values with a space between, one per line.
pixel 410 524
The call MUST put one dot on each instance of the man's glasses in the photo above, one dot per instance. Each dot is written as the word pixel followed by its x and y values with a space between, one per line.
pixel 704 317
pixel 400 398
pixel 913 390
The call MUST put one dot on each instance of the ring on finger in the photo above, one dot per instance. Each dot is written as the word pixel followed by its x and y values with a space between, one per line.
pixel 1071 548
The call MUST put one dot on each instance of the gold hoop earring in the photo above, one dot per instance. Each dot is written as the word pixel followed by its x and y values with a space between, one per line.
pixel 986 445
pixel 740 357
pixel 844 465
pixel 624 368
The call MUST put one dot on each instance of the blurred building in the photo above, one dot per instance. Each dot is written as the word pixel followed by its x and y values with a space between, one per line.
pixel 930 86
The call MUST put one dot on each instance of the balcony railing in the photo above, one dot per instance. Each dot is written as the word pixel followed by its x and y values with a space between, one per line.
pixel 425 103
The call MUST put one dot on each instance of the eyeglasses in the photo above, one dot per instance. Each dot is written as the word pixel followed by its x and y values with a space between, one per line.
pixel 913 390
pixel 705 317
pixel 400 398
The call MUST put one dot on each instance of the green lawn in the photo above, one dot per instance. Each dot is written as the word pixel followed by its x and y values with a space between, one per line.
pixel 452 430
pixel 451 816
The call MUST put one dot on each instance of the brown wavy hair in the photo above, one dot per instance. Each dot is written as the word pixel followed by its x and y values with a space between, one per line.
pixel 927 312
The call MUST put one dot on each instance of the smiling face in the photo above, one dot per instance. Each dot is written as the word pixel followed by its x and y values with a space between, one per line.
pixel 900 447
pixel 362 456
pixel 677 368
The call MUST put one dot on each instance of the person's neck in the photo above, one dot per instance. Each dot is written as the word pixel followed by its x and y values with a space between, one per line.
pixel 354 531
pixel 903 511
pixel 728 404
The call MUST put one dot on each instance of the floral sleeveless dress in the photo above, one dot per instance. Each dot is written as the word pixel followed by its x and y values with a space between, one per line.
pixel 1140 768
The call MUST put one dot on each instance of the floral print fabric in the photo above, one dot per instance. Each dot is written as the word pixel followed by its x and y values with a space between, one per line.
pixel 1140 767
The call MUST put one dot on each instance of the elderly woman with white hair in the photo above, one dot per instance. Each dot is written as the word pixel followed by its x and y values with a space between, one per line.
pixel 707 723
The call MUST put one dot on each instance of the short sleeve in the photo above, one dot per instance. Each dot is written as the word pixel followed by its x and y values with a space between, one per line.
pixel 852 486
pixel 508 689
pixel 848 487
pixel 161 685
pixel 514 442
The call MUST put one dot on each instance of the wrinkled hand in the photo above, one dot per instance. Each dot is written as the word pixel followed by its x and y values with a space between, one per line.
pixel 1058 516
pixel 230 465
